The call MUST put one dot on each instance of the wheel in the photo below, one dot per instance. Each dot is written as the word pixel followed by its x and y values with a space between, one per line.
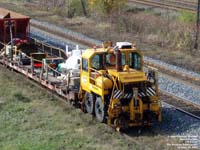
pixel 89 103
pixel 99 110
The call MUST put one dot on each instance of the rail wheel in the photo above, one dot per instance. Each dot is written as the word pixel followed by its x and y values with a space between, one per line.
pixel 99 110
pixel 89 103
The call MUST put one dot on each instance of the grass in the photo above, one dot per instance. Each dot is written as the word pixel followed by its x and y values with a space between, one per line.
pixel 32 119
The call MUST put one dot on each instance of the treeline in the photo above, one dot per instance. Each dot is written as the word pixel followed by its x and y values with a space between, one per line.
pixel 71 8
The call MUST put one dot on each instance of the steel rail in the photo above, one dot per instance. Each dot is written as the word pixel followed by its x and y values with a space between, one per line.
pixel 191 3
pixel 163 5
pixel 187 107
pixel 183 111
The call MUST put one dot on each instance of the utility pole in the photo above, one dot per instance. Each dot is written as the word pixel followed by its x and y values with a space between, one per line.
pixel 10 24
pixel 197 26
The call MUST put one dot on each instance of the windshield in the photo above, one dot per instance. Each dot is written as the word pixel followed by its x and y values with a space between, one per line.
pixel 111 59
pixel 97 62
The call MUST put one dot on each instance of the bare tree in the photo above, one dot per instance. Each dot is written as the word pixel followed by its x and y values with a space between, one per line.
pixel 83 6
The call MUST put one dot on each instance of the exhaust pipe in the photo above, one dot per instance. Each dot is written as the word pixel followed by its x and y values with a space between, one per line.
pixel 118 65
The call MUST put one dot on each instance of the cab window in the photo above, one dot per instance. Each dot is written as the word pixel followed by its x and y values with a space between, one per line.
pixel 97 62
pixel 84 64
pixel 123 58
pixel 110 59
pixel 135 61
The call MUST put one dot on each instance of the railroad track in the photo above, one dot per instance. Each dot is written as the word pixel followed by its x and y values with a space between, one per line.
pixel 175 72
pixel 169 4
pixel 89 42
pixel 181 105
pixel 183 2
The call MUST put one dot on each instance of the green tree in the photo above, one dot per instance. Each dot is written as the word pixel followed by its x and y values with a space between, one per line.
pixel 76 8
pixel 106 6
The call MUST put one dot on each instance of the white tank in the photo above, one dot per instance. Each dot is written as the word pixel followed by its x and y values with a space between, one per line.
pixel 73 62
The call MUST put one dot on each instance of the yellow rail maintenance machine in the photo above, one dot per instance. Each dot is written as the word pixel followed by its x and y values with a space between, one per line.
pixel 115 87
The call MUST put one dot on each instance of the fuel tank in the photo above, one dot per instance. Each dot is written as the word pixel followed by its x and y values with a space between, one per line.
pixel 103 82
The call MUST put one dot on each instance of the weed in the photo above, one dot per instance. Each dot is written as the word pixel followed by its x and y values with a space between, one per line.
pixel 20 97
pixel 186 17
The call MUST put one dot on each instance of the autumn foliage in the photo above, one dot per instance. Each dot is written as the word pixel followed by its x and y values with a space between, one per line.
pixel 106 6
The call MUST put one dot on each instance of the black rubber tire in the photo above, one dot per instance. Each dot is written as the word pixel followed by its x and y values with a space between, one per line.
pixel 99 110
pixel 89 103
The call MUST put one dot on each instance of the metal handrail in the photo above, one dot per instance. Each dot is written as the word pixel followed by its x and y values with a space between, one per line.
pixel 96 71
pixel 100 73
pixel 50 46
pixel 40 62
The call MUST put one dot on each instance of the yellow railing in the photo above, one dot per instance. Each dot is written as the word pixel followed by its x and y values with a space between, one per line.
pixel 52 50
pixel 36 60
pixel 96 74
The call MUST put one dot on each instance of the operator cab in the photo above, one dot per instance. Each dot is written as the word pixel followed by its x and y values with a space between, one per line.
pixel 122 61
pixel 129 57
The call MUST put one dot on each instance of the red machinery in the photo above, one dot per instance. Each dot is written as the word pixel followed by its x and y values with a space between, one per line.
pixel 19 25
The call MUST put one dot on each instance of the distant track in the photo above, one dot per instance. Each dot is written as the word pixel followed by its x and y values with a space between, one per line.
pixel 175 78
pixel 175 73
pixel 184 2
pixel 169 4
